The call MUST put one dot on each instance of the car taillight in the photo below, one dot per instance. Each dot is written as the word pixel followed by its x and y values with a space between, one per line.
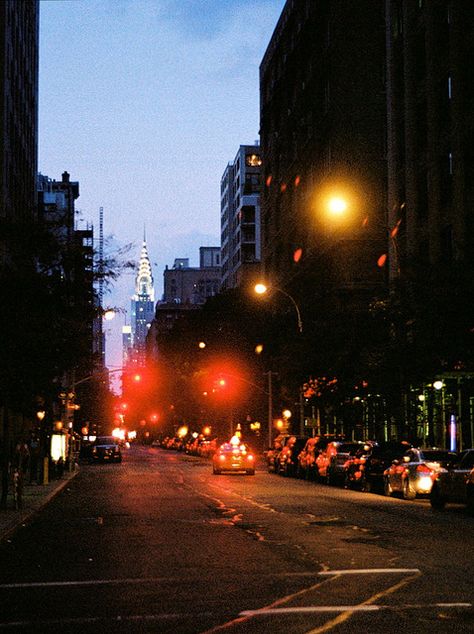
pixel 422 468
pixel 250 457
pixel 221 457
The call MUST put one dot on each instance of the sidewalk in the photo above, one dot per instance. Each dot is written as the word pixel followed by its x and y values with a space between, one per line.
pixel 35 496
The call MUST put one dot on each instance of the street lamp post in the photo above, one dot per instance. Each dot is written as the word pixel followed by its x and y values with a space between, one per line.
pixel 261 289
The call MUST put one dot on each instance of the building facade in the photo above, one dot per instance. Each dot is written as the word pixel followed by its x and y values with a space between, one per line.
pixel 240 216
pixel 19 36
pixel 430 97
pixel 322 127
pixel 184 284
pixel 430 160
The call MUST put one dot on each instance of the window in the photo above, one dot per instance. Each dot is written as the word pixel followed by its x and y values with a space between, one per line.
pixel 253 160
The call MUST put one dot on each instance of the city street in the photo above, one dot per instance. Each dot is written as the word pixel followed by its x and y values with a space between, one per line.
pixel 159 544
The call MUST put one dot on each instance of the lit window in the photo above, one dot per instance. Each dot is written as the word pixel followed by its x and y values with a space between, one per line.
pixel 253 160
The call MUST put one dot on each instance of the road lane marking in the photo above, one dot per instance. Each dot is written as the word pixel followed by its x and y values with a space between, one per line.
pixel 130 581
pixel 369 571
pixel 313 608
pixel 349 608
pixel 286 599
pixel 370 601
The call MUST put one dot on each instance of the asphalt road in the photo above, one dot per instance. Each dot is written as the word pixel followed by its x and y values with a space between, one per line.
pixel 159 544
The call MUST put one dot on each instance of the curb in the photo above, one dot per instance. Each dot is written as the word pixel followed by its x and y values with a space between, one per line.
pixel 21 517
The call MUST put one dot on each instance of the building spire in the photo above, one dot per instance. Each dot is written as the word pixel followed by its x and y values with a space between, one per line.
pixel 144 278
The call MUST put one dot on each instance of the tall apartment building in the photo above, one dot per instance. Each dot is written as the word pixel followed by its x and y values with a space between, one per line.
pixel 19 34
pixel 240 216
pixel 56 209
pixel 430 104
pixel 322 127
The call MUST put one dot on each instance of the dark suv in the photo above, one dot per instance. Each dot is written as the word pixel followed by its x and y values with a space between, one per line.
pixel 379 458
pixel 105 449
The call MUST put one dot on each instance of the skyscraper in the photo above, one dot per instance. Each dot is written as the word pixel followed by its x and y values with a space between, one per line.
pixel 142 309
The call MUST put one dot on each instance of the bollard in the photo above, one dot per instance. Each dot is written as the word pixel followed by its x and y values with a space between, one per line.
pixel 46 470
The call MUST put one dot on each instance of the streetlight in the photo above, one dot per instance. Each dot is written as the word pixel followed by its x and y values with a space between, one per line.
pixel 337 206
pixel 261 289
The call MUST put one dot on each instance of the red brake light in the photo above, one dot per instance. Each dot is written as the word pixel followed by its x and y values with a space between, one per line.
pixel 250 457
pixel 422 468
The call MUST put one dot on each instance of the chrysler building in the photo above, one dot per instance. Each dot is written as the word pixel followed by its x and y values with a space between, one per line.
pixel 142 310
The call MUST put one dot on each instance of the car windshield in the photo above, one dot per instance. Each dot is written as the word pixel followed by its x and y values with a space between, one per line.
pixel 438 456
pixel 389 450
pixel 348 448
pixel 105 440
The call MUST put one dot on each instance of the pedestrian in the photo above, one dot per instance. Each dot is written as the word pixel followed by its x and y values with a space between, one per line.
pixel 22 456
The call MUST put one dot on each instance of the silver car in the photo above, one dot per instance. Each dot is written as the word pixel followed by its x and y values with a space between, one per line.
pixel 415 472
pixel 455 484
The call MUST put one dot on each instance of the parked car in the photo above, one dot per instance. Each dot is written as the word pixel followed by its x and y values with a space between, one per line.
pixel 379 457
pixel 273 452
pixel 331 461
pixel 233 458
pixel 354 466
pixel 414 473
pixel 455 484
pixel 287 461
pixel 105 449
pixel 307 458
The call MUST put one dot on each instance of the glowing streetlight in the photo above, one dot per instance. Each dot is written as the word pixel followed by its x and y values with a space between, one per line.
pixel 337 206
pixel 202 345
pixel 108 314
pixel 261 289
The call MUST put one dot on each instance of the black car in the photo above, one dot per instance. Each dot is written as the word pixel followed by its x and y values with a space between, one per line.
pixel 379 458
pixel 105 449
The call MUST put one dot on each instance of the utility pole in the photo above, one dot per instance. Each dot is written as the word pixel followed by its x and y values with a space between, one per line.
pixel 270 404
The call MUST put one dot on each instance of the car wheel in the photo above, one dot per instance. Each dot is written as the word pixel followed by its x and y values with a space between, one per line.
pixel 216 472
pixel 365 485
pixel 436 499
pixel 387 487
pixel 409 492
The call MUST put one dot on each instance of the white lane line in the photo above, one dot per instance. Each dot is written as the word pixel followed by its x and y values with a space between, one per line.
pixel 313 608
pixel 105 582
pixel 91 582
pixel 368 571
pixel 349 608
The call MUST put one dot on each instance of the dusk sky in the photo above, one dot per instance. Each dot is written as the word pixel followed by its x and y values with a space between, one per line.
pixel 144 102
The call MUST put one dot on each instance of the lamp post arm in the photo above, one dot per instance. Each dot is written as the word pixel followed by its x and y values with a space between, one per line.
pixel 93 376
pixel 292 300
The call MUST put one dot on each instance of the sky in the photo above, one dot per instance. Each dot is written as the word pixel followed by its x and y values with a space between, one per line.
pixel 145 102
